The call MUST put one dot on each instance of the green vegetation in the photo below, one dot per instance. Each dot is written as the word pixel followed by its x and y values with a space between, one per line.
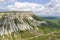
pixel 37 18
pixel 42 29
pixel 57 21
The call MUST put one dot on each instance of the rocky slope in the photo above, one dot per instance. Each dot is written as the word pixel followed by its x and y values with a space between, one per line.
pixel 17 21
pixel 24 25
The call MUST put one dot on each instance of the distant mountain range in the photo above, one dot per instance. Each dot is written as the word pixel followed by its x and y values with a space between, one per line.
pixel 50 18
pixel 46 15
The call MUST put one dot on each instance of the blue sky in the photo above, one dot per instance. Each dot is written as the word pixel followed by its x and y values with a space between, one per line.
pixel 43 2
pixel 4 4
pixel 44 7
pixel 36 1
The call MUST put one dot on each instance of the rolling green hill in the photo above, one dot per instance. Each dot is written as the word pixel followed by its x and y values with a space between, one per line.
pixel 25 25
pixel 57 21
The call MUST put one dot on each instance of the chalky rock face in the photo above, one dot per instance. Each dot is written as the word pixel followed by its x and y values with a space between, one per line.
pixel 16 21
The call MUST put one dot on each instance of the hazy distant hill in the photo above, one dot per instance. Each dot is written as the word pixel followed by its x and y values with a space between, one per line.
pixel 50 18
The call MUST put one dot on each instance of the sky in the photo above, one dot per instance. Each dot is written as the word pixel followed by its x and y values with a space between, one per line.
pixel 40 7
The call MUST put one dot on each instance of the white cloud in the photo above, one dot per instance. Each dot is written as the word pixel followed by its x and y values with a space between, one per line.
pixel 7 1
pixel 25 6
pixel 11 1
pixel 54 5
pixel 2 0
pixel 50 9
